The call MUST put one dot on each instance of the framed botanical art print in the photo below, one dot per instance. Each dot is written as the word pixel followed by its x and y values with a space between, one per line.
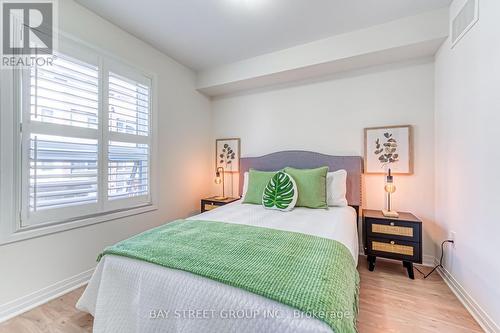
pixel 227 154
pixel 389 147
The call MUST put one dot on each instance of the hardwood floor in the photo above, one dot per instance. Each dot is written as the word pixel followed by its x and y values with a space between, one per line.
pixel 389 303
pixel 57 316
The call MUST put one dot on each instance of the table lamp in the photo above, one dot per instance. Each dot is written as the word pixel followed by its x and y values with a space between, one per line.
pixel 389 188
pixel 219 179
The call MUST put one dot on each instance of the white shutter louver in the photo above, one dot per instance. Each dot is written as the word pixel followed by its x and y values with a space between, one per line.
pixel 65 93
pixel 128 172
pixel 63 172
pixel 128 106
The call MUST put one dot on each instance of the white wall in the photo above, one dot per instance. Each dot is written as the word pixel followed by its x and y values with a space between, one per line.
pixel 329 116
pixel 184 165
pixel 468 158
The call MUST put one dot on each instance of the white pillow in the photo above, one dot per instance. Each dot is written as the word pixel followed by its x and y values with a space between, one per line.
pixel 336 188
pixel 245 184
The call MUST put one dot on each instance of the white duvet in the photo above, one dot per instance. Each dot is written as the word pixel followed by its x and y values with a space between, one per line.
pixel 127 295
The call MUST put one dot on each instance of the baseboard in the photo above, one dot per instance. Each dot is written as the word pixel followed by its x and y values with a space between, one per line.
pixel 28 302
pixel 361 248
pixel 483 319
pixel 428 260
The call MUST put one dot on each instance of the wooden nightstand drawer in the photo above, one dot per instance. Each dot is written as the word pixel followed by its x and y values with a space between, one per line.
pixel 392 247
pixel 391 229
pixel 210 206
pixel 395 249
pixel 215 202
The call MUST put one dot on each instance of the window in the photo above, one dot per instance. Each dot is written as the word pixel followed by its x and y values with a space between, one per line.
pixel 128 102
pixel 86 139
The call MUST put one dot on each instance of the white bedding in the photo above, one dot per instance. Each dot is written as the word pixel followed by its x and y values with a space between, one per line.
pixel 127 295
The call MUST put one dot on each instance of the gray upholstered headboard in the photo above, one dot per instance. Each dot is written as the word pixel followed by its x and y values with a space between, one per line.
pixel 305 160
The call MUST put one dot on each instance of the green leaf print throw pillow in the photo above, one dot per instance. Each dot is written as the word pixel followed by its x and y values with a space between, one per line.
pixel 280 193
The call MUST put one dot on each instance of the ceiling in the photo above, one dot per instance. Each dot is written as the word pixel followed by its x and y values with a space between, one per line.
pixel 207 33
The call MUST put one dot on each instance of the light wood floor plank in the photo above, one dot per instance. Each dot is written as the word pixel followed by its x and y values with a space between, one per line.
pixel 389 303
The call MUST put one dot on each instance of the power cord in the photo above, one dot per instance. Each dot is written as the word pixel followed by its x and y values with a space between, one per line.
pixel 440 260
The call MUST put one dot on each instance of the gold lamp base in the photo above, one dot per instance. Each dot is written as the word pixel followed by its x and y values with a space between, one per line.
pixel 390 213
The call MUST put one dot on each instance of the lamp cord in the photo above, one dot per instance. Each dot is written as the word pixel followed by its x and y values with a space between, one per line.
pixel 440 260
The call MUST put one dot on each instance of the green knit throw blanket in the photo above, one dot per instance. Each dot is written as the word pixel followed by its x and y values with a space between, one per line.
pixel 313 274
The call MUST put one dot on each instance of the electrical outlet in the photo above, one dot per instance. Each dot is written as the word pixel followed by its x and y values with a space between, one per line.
pixel 452 237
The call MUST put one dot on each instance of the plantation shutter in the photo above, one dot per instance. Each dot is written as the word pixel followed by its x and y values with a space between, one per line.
pixel 86 138
pixel 129 115
pixel 61 136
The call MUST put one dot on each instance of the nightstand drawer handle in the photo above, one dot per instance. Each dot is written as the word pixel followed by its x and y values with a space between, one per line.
pixel 392 243
pixel 392 224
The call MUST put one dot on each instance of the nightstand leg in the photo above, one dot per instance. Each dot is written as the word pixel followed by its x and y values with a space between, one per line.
pixel 409 267
pixel 371 262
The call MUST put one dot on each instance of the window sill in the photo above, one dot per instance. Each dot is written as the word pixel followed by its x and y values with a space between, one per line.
pixel 33 232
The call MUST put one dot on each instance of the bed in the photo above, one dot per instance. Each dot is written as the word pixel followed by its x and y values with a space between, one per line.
pixel 129 295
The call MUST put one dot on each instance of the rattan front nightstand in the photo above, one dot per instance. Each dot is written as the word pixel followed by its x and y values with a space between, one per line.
pixel 392 238
pixel 214 202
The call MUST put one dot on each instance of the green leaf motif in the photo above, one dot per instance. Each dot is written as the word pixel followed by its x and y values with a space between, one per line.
pixel 280 193
pixel 386 152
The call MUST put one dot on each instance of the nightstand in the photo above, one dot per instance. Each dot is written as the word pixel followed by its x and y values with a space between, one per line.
pixel 392 238
pixel 214 202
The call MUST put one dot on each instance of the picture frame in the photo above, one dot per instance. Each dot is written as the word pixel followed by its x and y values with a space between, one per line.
pixel 388 147
pixel 227 154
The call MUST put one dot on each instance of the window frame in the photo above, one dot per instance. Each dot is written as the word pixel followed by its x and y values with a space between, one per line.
pixel 12 141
